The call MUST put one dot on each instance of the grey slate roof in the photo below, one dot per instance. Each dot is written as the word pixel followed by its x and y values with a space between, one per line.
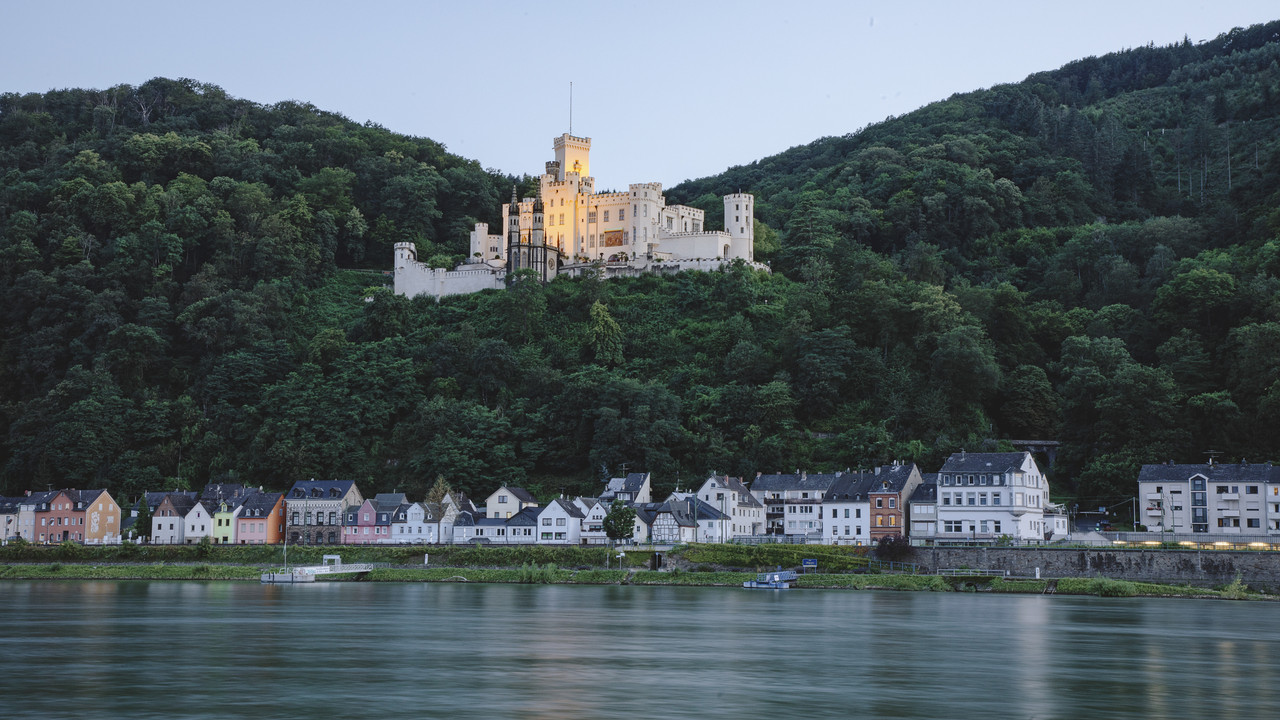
pixel 38 498
pixel 851 486
pixel 182 502
pixel 983 462
pixel 389 500
pixel 521 494
pixel 707 511
pixel 1215 473
pixel 896 476
pixel 813 482
pixel 223 491
pixel 527 517
pixel 319 489
pixel 569 508
pixel 259 504
pixel 926 492
pixel 745 498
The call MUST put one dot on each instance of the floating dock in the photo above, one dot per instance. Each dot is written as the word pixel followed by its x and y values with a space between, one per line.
pixel 776 580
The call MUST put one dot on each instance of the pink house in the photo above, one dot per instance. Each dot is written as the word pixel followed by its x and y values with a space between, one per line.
pixel 261 521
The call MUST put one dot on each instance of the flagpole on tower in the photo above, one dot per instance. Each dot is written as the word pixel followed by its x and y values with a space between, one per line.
pixel 570 107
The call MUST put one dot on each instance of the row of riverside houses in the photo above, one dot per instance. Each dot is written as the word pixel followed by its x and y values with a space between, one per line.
pixel 975 497
pixel 91 517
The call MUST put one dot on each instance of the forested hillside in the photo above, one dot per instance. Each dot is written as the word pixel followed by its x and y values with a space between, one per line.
pixel 192 291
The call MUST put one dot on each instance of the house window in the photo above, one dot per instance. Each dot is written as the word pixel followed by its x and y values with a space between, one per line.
pixel 879 502
pixel 946 498
pixel 995 498
pixel 846 512
pixel 982 499
pixel 893 502
pixel 560 522
pixel 857 512
pixel 1251 490
pixel 546 521
pixel 833 513
pixel 1253 522
pixel 970 498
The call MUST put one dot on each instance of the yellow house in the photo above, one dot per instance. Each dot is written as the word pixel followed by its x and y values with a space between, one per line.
pixel 101 517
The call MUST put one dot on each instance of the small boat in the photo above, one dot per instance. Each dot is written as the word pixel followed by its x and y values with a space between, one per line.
pixel 776 580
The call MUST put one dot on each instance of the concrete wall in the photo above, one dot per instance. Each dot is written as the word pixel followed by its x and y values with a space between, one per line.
pixel 1205 568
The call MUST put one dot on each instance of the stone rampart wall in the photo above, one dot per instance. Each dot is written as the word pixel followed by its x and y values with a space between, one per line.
pixel 1195 567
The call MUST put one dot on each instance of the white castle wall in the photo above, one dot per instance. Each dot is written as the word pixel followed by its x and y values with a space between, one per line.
pixel 414 278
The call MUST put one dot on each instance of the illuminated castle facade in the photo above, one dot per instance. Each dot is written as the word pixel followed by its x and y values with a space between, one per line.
pixel 571 229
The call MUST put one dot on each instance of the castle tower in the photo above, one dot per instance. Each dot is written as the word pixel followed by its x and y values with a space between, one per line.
pixel 739 222
pixel 536 234
pixel 513 225
pixel 573 155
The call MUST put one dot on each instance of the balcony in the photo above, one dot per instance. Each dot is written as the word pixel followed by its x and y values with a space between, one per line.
pixel 1154 496
pixel 1227 496
pixel 1154 512
pixel 1229 512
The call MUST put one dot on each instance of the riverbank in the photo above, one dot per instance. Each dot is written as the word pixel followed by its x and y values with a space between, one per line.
pixel 552 575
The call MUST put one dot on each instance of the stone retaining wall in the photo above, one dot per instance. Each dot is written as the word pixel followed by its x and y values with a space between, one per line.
pixel 1194 567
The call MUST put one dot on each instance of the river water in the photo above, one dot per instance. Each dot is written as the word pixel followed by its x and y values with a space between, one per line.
pixel 364 650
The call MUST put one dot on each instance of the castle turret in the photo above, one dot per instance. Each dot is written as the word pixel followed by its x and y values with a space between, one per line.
pixel 573 156
pixel 739 221
pixel 536 235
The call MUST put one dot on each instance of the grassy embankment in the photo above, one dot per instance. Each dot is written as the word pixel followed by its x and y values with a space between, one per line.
pixel 695 565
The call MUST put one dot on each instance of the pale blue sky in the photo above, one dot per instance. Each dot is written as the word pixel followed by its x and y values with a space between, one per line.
pixel 666 90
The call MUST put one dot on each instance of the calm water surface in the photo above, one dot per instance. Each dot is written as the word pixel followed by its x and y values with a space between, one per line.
pixel 213 650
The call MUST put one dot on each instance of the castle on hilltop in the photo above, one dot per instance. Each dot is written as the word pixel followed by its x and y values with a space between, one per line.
pixel 571 229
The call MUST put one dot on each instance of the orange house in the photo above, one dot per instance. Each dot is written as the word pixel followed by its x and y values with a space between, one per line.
pixel 261 520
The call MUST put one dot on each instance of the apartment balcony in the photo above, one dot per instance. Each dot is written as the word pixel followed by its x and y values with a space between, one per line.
pixel 1155 496
pixel 1229 512
pixel 1227 496
pixel 1154 512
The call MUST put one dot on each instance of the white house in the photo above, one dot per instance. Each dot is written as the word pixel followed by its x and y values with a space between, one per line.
pixel 593 514
pixel 846 510
pixel 507 501
pixel 793 503
pixel 560 523
pixel 416 524
pixel 986 496
pixel 634 488
pixel 198 523
pixel 744 513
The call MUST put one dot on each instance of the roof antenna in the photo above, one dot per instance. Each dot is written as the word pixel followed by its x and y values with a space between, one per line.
pixel 570 107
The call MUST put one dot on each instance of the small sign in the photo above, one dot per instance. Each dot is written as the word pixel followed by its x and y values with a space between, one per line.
pixel 807 563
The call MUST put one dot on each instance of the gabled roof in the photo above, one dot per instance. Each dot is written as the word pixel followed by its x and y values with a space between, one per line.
pixel 892 478
pixel 389 500
pixel 182 502
pixel 260 504
pixel 569 508
pixel 683 512
pixel 431 512
pixel 520 493
pixel 1216 472
pixel 963 462
pixel 528 517
pixel 85 497
pixel 707 511
pixel 9 505
pixel 39 498
pixel 850 487
pixel 812 482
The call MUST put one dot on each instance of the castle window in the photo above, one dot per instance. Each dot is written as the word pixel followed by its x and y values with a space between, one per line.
pixel 622 214
pixel 561 218
pixel 606 216
pixel 591 216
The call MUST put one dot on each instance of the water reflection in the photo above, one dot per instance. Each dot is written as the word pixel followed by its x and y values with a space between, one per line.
pixel 161 650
